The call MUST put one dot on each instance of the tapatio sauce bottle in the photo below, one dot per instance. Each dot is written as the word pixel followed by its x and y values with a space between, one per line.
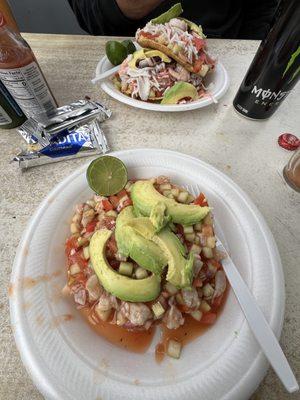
pixel 21 74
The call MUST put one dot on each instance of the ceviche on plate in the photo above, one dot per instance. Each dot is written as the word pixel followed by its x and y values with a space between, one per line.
pixel 143 256
pixel 171 65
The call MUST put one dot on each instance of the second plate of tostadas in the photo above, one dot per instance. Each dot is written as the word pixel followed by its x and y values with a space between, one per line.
pixel 171 68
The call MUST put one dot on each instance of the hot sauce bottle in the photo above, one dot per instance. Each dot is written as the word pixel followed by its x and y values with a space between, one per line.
pixel 21 75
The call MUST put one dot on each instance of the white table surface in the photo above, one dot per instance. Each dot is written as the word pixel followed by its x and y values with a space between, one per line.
pixel 245 150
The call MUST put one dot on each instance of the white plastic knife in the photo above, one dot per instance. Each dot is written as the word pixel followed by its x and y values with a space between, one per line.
pixel 258 324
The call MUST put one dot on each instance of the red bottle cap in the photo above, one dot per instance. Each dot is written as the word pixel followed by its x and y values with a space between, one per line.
pixel 2 20
pixel 288 141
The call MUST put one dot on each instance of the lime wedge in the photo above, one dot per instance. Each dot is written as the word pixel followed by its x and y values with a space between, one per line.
pixel 106 175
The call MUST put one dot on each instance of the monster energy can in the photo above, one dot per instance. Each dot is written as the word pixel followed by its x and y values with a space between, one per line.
pixel 275 68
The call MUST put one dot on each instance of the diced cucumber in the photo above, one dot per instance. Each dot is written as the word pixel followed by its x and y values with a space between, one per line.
pixel 111 213
pixel 141 273
pixel 198 264
pixel 204 306
pixel 103 315
pixel 91 203
pixel 197 315
pixel 211 242
pixel 198 227
pixel 208 290
pixel 171 288
pixel 213 269
pixel 197 239
pixel 86 253
pixel 190 198
pixel 175 192
pixel 165 186
pixel 190 237
pixel 74 228
pixel 170 196
pixel 74 269
pixel 204 70
pixel 174 348
pixel 207 252
pixel 179 299
pixel 125 268
pixel 83 241
pixel 188 229
pixel 195 249
pixel 158 309
pixel 182 197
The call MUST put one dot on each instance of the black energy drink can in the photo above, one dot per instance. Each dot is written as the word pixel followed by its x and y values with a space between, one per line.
pixel 275 68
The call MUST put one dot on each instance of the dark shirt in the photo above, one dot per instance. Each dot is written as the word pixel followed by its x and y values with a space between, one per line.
pixel 242 19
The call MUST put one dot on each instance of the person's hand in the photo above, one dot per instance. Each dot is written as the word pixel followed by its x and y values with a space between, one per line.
pixel 137 9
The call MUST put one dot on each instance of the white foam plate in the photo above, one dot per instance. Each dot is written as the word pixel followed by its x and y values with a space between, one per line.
pixel 67 360
pixel 219 78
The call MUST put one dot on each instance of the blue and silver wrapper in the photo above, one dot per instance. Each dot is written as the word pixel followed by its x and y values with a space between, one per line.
pixel 48 127
pixel 82 140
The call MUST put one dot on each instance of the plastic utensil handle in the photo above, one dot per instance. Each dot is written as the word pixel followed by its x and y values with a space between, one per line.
pixel 259 326
pixel 106 74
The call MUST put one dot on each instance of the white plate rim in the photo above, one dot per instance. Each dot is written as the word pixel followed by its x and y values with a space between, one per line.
pixel 258 367
pixel 114 93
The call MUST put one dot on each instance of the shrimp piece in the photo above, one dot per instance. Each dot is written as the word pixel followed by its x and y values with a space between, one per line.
pixel 173 318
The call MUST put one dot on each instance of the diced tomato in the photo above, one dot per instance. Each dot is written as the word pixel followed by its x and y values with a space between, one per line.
pixel 215 263
pixel 121 194
pixel 183 308
pixel 208 318
pixel 198 65
pixel 114 201
pixel 107 222
pixel 217 301
pixel 91 226
pixel 78 258
pixel 81 277
pixel 112 246
pixel 107 206
pixel 71 243
pixel 197 283
pixel 125 203
pixel 201 200
pixel 149 35
pixel 199 43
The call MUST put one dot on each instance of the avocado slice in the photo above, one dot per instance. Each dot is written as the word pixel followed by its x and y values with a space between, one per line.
pixel 145 197
pixel 180 269
pixel 121 286
pixel 178 92
pixel 159 216
pixel 131 244
pixel 145 53
pixel 173 12
pixel 194 27
pixel 123 218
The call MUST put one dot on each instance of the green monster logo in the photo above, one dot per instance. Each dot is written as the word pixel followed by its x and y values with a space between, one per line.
pixel 291 62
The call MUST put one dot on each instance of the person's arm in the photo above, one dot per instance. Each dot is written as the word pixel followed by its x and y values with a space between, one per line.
pixel 113 17
pixel 258 15
pixel 137 9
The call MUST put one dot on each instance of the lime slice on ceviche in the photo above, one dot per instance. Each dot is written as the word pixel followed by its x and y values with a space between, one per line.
pixel 106 175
